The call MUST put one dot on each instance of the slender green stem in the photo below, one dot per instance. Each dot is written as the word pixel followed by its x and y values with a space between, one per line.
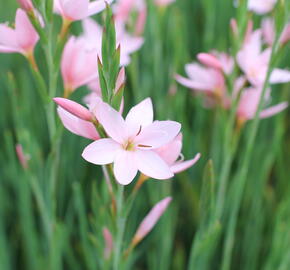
pixel 120 227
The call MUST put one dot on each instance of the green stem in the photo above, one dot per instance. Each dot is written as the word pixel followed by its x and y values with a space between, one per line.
pixel 120 227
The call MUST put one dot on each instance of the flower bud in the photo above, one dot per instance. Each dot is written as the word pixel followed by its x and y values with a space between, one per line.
pixel 209 60
pixel 26 5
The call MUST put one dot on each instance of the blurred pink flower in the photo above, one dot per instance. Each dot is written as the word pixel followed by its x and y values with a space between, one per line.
pixel 23 159
pixel 171 152
pixel 93 36
pixel 25 4
pixel 261 6
pixel 254 62
pixel 131 142
pixel 74 10
pixel 268 30
pixel 108 243
pixel 203 79
pixel 163 3
pixel 76 118
pixel 150 220
pixel 22 39
pixel 249 102
pixel 79 65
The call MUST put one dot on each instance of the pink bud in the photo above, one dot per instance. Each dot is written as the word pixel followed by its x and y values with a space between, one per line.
pixel 21 156
pixel 108 243
pixel 120 79
pixel 150 220
pixel 26 4
pixel 209 60
pixel 234 27
pixel 141 20
pixel 163 3
pixel 74 108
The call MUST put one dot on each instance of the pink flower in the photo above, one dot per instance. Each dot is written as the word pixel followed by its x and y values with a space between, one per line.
pixel 23 159
pixel 203 79
pixel 150 220
pixel 25 4
pixel 76 118
pixel 22 39
pixel 249 102
pixel 108 243
pixel 163 3
pixel 129 44
pixel 79 65
pixel 268 29
pixel 254 62
pixel 132 142
pixel 171 152
pixel 261 6
pixel 74 10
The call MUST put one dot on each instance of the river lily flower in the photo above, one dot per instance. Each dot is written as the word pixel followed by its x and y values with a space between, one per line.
pixel 128 43
pixel 261 6
pixel 203 79
pixel 76 118
pixel 248 106
pixel 78 64
pixel 75 10
pixel 150 220
pixel 171 152
pixel 254 62
pixel 132 142
pixel 22 39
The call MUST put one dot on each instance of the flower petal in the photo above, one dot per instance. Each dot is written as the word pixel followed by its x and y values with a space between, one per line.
pixel 273 110
pixel 77 125
pixel 280 76
pixel 182 166
pixel 74 9
pixel 125 168
pixel 97 6
pixel 150 164
pixel 101 152
pixel 158 134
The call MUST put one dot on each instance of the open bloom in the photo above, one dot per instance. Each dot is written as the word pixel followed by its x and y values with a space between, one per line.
pixel 22 39
pixel 261 6
pixel 203 79
pixel 76 118
pixel 128 43
pixel 132 142
pixel 150 220
pixel 171 152
pixel 254 62
pixel 79 65
pixel 249 102
pixel 74 10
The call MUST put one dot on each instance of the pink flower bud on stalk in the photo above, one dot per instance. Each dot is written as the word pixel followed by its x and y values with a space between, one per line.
pixel 108 243
pixel 209 60
pixel 21 156
pixel 163 3
pixel 234 27
pixel 74 108
pixel 22 39
pixel 26 5
pixel 150 221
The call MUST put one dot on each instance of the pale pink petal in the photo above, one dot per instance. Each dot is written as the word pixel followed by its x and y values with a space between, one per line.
pixel 112 121
pixel 273 110
pixel 101 152
pixel 182 166
pixel 5 49
pixel 157 134
pixel 150 164
pixel 268 30
pixel 26 35
pixel 171 151
pixel 125 168
pixel 25 4
pixel 190 84
pixel 280 76
pixel 97 6
pixel 141 115
pixel 74 9
pixel 8 36
pixel 209 60
pixel 261 6
pixel 77 125
pixel 151 219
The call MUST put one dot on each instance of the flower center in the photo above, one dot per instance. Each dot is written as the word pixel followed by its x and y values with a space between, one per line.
pixel 129 146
